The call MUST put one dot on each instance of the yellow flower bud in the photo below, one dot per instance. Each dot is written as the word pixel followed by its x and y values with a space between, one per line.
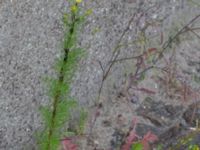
pixel 78 1
pixel 74 8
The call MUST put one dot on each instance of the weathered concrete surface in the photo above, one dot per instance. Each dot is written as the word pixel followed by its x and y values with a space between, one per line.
pixel 30 35
pixel 111 18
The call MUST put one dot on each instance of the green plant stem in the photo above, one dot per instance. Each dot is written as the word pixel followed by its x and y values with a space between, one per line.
pixel 61 80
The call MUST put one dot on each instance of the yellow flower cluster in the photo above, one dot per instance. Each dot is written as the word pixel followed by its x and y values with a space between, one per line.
pixel 74 8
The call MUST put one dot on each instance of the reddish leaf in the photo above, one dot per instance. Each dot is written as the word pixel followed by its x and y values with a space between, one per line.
pixel 129 140
pixel 68 144
pixel 148 138
pixel 134 122
pixel 145 145
pixel 132 137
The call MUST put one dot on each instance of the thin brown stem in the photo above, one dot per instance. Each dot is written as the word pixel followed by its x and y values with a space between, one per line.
pixel 170 41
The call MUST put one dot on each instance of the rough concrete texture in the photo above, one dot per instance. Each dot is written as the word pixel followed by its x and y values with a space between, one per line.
pixel 30 37
pixel 30 34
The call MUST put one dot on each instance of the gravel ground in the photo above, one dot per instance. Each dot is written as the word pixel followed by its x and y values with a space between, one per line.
pixel 30 38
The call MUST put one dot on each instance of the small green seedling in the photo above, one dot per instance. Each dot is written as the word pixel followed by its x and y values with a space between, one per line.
pixel 137 146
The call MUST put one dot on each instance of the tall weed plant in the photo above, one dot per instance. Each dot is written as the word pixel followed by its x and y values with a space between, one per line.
pixel 56 115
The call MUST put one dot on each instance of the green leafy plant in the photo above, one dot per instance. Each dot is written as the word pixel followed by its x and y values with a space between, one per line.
pixel 194 147
pixel 187 141
pixel 57 113
pixel 137 146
